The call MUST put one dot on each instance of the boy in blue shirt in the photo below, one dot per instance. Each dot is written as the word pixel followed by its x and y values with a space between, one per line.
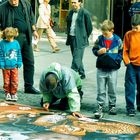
pixel 108 49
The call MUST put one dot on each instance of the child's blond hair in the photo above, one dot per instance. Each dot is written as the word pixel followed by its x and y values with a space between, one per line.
pixel 107 25
pixel 10 32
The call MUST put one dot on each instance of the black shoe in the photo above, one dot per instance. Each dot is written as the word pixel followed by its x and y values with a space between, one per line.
pixel 131 113
pixel 31 90
pixel 138 108
pixel 82 76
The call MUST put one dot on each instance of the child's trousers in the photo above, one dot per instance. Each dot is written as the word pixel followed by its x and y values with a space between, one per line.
pixel 10 79
pixel 106 86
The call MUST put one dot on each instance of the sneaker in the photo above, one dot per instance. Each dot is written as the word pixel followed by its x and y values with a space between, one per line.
pixel 131 113
pixel 14 97
pixel 112 111
pixel 99 112
pixel 8 97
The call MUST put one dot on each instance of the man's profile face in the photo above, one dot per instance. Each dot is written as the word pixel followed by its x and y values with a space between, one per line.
pixel 14 2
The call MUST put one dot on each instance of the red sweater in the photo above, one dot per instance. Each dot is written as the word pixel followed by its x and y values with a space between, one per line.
pixel 131 48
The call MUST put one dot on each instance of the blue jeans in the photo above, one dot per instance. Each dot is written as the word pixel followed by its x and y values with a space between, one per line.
pixel 132 84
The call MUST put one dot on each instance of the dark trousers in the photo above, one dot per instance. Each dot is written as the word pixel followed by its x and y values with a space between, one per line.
pixel 132 84
pixel 77 56
pixel 28 60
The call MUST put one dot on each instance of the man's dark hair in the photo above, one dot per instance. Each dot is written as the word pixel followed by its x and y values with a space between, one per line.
pixel 51 81
pixel 80 1
pixel 135 20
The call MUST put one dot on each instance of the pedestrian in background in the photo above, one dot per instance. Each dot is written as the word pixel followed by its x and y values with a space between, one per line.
pixel 18 14
pixel 131 57
pixel 135 8
pixel 108 49
pixel 10 61
pixel 59 82
pixel 44 23
pixel 79 28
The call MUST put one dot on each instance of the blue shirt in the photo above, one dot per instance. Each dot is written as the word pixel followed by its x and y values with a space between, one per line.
pixel 10 54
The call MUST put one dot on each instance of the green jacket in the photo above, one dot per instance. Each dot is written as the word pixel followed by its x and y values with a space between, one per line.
pixel 69 82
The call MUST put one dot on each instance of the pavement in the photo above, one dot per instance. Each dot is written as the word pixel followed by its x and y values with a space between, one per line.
pixel 46 57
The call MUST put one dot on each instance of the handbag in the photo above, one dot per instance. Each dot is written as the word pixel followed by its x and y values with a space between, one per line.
pixel 51 22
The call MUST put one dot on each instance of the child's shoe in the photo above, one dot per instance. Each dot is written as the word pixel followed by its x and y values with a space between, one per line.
pixel 99 112
pixel 131 113
pixel 112 110
pixel 8 97
pixel 14 97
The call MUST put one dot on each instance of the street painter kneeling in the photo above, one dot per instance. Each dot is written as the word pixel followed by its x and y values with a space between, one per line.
pixel 61 83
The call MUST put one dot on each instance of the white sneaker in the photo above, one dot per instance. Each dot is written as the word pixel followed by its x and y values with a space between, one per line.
pixel 14 97
pixel 8 97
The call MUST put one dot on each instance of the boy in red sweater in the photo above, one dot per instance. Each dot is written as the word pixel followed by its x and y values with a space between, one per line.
pixel 131 57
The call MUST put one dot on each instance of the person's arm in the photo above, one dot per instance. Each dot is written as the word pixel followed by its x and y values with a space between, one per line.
pixel 96 47
pixel 74 103
pixel 32 20
pixel 120 51
pixel 19 56
pixel 46 96
pixel 2 62
pixel 126 49
pixel 35 34
pixel 47 99
pixel 88 23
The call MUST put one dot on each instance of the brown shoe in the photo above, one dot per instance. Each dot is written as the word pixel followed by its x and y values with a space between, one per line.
pixel 56 49
pixel 37 50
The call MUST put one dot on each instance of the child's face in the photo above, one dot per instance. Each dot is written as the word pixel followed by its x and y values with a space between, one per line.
pixel 136 28
pixel 107 34
pixel 9 39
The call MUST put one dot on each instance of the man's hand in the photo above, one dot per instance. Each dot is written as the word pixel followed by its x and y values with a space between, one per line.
pixel 77 114
pixel 35 34
pixel 46 106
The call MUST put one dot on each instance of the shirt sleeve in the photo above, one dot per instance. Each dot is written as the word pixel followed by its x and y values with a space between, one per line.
pixel 19 56
pixel 74 100
pixel 126 49
pixel 47 97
